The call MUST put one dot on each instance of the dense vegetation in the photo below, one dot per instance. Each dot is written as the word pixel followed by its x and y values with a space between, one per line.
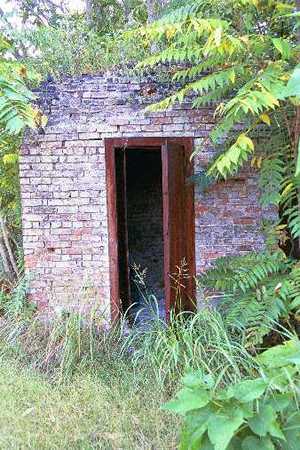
pixel 241 362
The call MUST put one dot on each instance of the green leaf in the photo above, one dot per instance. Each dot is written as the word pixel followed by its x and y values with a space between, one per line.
pixel 283 46
pixel 193 380
pixel 205 444
pixel 292 432
pixel 280 378
pixel 295 303
pixel 222 426
pixel 264 422
pixel 254 443
pixel 245 142
pixel 281 355
pixel 187 400
pixel 279 402
pixel 293 86
pixel 235 444
pixel 195 426
pixel 10 158
pixel 248 390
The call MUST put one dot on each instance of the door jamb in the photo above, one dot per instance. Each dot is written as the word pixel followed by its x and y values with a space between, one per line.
pixel 110 145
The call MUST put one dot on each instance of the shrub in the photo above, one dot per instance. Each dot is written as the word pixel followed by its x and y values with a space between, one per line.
pixel 72 48
pixel 257 413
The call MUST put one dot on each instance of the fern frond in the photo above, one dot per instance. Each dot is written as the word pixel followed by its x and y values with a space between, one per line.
pixel 238 274
pixel 258 291
pixel 290 204
pixel 254 313
pixel 271 179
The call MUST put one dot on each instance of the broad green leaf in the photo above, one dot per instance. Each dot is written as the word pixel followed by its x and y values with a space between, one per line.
pixel 195 427
pixel 193 380
pixel 293 86
pixel 15 125
pixel 281 376
pixel 206 444
pixel 281 355
pixel 248 390
pixel 292 432
pixel 279 402
pixel 223 425
pixel 235 444
pixel 283 46
pixel 254 443
pixel 187 400
pixel 265 422
pixel 260 423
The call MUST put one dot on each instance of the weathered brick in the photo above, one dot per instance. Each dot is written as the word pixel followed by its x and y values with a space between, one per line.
pixel 63 188
pixel 94 135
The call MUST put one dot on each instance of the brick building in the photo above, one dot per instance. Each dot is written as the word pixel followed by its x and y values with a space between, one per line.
pixel 106 185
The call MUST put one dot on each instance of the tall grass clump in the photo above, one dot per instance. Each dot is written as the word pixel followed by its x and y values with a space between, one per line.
pixel 191 341
pixel 61 346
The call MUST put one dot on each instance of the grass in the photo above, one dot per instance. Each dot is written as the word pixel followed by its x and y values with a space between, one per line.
pixel 193 341
pixel 71 384
pixel 104 409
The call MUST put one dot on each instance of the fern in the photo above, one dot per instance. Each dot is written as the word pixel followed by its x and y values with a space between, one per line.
pixel 233 274
pixel 256 314
pixel 271 179
pixel 258 291
pixel 289 202
pixel 249 70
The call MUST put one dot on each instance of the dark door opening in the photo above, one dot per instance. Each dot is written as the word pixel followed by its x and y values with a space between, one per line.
pixel 140 231
pixel 151 224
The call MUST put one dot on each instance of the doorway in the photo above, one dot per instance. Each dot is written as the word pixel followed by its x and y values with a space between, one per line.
pixel 151 224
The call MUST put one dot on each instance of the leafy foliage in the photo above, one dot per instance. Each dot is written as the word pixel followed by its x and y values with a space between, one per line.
pixel 249 64
pixel 259 290
pixel 248 71
pixel 72 47
pixel 16 113
pixel 15 303
pixel 256 413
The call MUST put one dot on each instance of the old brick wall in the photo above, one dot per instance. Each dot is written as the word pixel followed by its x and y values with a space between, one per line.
pixel 62 173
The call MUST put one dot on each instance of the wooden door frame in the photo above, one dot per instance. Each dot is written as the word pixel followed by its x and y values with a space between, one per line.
pixel 111 144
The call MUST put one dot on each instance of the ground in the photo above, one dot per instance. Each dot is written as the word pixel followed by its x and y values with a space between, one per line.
pixel 94 411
